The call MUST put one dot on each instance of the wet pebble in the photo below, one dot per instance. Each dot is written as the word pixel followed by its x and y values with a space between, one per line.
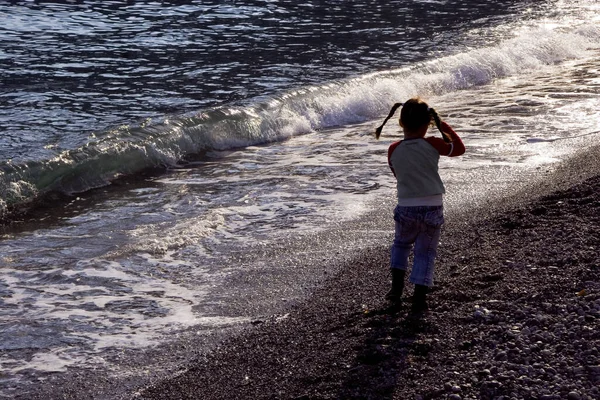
pixel 573 396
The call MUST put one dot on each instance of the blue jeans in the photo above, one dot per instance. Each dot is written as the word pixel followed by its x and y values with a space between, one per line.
pixel 421 227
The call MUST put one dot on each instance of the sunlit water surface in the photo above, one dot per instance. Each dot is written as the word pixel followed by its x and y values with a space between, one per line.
pixel 130 265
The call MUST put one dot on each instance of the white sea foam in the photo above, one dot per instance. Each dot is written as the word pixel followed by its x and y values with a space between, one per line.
pixel 113 302
pixel 160 238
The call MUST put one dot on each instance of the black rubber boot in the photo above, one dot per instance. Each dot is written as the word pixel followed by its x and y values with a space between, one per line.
pixel 419 304
pixel 395 293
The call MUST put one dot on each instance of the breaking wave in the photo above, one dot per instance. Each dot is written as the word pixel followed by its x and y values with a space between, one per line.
pixel 128 151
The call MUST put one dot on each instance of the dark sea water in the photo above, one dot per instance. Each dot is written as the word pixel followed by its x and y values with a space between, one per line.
pixel 160 162
pixel 72 72
pixel 89 81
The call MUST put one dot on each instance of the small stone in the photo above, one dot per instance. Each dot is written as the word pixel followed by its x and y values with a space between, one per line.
pixel 573 396
pixel 454 397
pixel 594 369
pixel 493 384
pixel 546 353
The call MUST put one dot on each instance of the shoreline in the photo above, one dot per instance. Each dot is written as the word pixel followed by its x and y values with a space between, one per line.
pixel 513 313
pixel 343 341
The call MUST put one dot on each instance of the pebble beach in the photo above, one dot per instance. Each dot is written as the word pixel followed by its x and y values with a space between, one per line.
pixel 514 315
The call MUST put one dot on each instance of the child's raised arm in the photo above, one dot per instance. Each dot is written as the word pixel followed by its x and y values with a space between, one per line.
pixel 451 147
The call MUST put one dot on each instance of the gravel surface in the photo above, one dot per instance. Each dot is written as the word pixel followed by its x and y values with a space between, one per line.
pixel 513 315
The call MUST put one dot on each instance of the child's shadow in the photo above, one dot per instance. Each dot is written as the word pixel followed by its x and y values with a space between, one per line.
pixel 395 339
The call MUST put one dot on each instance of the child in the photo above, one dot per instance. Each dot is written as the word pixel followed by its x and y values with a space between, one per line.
pixel 419 213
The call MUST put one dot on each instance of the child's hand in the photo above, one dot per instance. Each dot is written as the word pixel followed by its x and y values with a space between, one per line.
pixel 446 128
pixel 447 131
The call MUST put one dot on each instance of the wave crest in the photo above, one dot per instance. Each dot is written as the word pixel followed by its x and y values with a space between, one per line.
pixel 129 151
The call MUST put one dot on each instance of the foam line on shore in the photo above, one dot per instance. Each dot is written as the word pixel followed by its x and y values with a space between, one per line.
pixel 319 333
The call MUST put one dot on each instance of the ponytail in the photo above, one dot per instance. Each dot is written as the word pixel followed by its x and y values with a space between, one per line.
pixel 390 115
